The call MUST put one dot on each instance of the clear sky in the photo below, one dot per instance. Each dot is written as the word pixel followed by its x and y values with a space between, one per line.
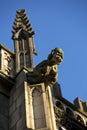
pixel 57 23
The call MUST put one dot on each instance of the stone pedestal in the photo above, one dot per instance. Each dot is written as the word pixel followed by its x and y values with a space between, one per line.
pixel 39 107
pixel 31 106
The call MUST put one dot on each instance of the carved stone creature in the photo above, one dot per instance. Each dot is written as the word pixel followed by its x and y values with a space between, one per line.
pixel 46 71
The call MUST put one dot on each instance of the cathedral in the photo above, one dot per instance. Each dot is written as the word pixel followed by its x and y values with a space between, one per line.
pixel 30 96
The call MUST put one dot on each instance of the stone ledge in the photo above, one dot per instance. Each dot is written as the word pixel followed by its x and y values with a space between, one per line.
pixel 42 129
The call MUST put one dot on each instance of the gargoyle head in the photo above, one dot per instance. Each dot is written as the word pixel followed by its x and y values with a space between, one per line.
pixel 56 56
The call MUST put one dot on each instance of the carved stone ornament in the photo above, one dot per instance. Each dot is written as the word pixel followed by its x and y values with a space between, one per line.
pixel 47 70
pixel 62 118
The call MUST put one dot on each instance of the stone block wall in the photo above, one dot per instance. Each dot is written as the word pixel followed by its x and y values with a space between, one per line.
pixel 4 108
pixel 4 102
pixel 17 116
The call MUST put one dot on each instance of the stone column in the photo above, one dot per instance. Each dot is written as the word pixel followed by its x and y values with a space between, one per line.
pixel 17 54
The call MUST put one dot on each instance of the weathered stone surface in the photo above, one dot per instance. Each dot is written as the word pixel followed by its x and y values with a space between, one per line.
pixel 17 111
pixel 4 105
pixel 56 90
pixel 3 122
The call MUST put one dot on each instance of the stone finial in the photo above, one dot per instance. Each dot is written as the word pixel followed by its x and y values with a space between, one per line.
pixel 21 23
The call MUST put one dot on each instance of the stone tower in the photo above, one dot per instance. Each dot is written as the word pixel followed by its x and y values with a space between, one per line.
pixel 30 97
pixel 23 41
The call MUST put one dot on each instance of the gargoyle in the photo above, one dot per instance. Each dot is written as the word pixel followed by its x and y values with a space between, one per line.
pixel 47 70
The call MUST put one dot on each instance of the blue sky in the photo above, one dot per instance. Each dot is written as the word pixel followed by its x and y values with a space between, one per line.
pixel 57 23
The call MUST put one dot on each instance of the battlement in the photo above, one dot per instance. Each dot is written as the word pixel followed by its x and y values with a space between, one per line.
pixel 81 105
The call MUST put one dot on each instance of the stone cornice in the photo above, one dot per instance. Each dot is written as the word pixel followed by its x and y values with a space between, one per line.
pixel 7 49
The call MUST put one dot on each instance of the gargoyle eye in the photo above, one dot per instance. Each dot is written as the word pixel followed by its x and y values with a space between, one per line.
pixel 57 53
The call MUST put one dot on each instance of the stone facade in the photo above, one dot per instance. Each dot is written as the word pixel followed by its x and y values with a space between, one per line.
pixel 7 65
pixel 26 105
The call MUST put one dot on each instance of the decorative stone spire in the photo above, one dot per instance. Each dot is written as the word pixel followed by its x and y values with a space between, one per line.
pixel 21 23
pixel 23 41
